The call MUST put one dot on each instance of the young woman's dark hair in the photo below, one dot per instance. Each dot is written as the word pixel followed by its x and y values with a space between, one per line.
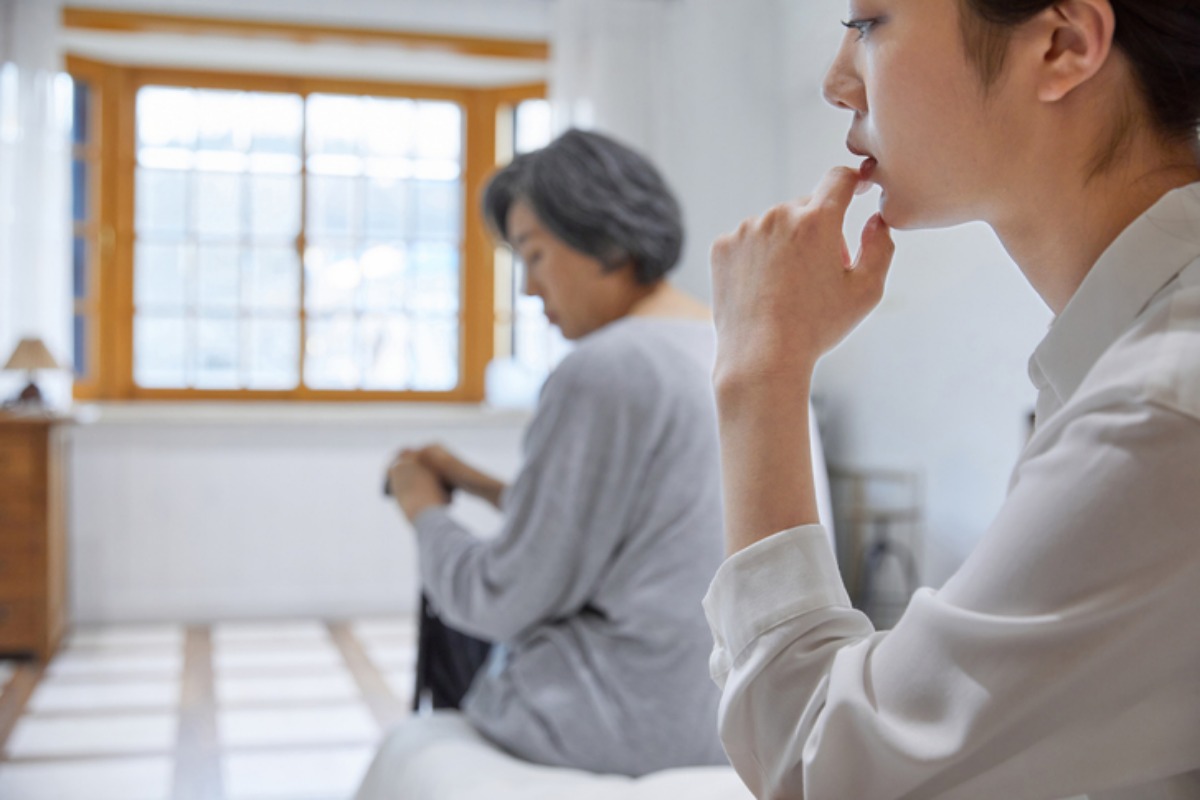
pixel 599 197
pixel 1160 39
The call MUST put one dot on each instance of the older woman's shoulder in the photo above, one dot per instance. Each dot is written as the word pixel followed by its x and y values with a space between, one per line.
pixel 639 351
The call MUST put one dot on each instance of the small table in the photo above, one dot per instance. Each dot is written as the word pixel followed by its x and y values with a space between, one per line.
pixel 33 533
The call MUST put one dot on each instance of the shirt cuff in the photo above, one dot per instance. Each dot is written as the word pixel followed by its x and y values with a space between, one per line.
pixel 770 582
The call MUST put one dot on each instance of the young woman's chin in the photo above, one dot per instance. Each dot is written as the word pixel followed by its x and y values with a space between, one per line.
pixel 903 213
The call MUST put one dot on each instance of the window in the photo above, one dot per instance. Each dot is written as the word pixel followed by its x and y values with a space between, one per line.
pixel 289 238
pixel 86 228
pixel 283 240
pixel 523 334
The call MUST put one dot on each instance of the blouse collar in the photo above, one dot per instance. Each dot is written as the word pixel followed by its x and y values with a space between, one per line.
pixel 1147 256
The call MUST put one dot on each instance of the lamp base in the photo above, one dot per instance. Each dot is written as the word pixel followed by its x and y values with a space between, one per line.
pixel 31 395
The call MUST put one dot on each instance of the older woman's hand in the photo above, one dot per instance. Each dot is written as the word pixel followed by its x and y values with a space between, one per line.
pixel 458 474
pixel 415 487
pixel 785 290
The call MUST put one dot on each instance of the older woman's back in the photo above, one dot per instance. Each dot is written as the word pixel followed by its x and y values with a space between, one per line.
pixel 611 534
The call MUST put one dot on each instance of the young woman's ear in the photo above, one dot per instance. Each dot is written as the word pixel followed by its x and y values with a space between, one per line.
pixel 1075 38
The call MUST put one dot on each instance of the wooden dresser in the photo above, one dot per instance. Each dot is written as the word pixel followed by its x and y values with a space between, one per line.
pixel 33 535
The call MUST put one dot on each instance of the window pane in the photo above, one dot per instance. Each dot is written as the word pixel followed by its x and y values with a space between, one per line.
pixel 384 353
pixel 331 278
pixel 159 351
pixel 79 267
pixel 166 117
pixel 80 340
pixel 277 123
pixel 437 207
pixel 439 130
pixel 218 277
pixel 383 277
pixel 334 124
pixel 161 201
pixel 433 279
pixel 272 349
pixel 80 187
pixel 388 127
pixel 435 346
pixel 272 281
pixel 220 207
pixel 275 206
pixel 222 121
pixel 533 126
pixel 81 123
pixel 331 205
pixel 160 277
pixel 329 355
pixel 217 353
pixel 386 207
pixel 218 204
pixel 218 213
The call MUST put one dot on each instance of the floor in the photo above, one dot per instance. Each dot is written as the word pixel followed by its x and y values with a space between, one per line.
pixel 232 711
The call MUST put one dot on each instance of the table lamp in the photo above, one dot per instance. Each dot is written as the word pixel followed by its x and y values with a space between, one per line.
pixel 31 355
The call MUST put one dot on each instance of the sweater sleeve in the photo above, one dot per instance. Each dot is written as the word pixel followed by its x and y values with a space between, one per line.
pixel 564 515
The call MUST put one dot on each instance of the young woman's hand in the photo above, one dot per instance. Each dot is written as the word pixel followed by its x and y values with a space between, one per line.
pixel 785 289
pixel 785 292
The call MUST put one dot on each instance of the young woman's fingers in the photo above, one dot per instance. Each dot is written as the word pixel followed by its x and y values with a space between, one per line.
pixel 875 256
pixel 836 190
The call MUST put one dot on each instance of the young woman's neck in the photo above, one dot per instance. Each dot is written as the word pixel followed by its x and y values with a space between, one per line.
pixel 1057 242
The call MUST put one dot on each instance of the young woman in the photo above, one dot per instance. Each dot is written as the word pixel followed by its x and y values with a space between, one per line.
pixel 611 531
pixel 1063 658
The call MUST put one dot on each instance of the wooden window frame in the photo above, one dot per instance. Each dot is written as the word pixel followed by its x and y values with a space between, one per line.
pixel 115 90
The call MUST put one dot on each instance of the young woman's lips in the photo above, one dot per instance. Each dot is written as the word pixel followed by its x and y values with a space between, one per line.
pixel 868 168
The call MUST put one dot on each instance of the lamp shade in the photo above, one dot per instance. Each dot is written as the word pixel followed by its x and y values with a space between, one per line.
pixel 31 354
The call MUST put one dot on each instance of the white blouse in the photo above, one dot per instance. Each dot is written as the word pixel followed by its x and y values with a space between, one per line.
pixel 1063 658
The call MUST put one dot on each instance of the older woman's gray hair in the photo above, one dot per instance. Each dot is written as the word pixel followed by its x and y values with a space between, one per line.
pixel 597 196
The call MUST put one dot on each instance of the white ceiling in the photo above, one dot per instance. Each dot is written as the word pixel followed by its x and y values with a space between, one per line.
pixel 516 19
pixel 385 62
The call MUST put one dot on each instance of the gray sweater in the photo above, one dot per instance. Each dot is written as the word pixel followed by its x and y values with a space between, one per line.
pixel 612 532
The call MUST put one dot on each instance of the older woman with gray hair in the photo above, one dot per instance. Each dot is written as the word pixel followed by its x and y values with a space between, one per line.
pixel 576 637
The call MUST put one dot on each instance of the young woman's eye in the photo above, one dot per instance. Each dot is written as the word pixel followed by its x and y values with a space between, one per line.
pixel 863 26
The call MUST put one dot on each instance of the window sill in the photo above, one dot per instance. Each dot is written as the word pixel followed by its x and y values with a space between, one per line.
pixel 297 414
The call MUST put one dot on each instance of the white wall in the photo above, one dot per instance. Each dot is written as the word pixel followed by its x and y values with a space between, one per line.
pixel 696 85
pixel 199 514
pixel 35 286
pixel 935 380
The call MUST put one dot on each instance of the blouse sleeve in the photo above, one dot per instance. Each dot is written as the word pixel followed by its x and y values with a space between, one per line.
pixel 1062 658
pixel 564 515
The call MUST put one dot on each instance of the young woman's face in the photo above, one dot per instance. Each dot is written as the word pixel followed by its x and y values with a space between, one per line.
pixel 579 295
pixel 921 112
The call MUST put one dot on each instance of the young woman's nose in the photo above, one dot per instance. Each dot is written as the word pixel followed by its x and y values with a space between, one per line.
pixel 843 86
